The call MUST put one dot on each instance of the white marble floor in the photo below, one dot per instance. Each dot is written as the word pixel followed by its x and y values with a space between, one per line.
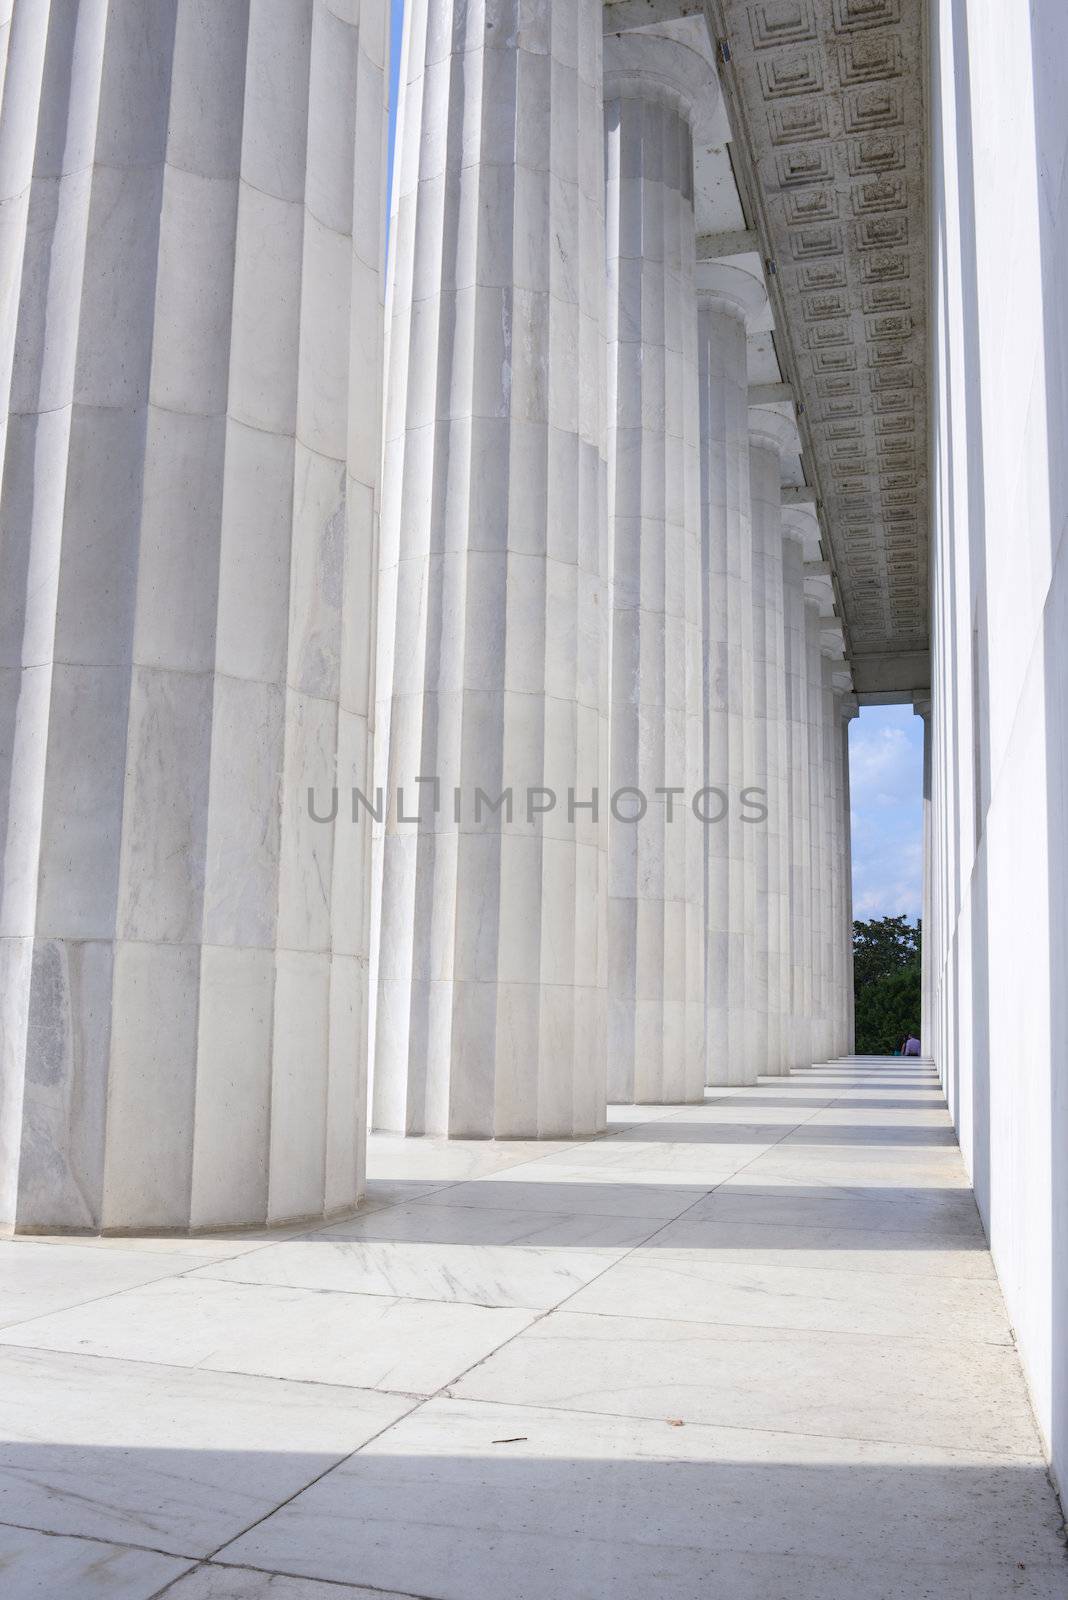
pixel 753 1349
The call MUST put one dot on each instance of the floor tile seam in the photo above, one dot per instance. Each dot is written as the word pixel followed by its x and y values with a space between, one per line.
pixel 176 1368
pixel 1007 1456
pixel 906 1200
pixel 318 1477
pixel 252 1283
pixel 523 1243
pixel 676 1252
pixel 436 1300
pixel 636 1539
pixel 644 1243
pixel 942 1241
pixel 636 1216
pixel 911 1339
pixel 783 1333
pixel 95 1299
pixel 441 1392
pixel 372 1294
pixel 341 1584
pixel 536 1313
pixel 104 1538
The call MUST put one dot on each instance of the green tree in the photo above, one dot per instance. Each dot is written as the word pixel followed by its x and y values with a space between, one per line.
pixel 886 977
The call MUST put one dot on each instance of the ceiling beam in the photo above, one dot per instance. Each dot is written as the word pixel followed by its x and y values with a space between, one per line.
pixel 735 242
pixel 890 677
pixel 887 697
pixel 620 16
pixel 767 394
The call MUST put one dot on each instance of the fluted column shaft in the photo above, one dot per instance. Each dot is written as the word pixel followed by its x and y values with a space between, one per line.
pixel 726 297
pixel 848 710
pixel 844 1044
pixel 764 495
pixel 718 330
pixel 832 834
pixel 842 933
pixel 779 971
pixel 771 434
pixel 490 962
pixel 656 1034
pixel 763 481
pixel 819 916
pixel 835 840
pixel 191 342
pixel 799 1051
pixel 922 708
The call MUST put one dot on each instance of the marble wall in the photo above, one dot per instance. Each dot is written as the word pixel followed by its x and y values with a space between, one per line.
pixel 996 1002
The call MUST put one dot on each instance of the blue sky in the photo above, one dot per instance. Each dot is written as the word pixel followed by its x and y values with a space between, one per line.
pixel 886 790
pixel 886 759
pixel 396 28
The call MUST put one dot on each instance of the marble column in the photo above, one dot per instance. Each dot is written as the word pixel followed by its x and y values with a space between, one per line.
pixel 843 932
pixel 489 967
pixel 770 435
pixel 848 710
pixel 832 835
pixel 656 1016
pixel 835 844
pixel 921 705
pixel 190 268
pixel 819 910
pixel 727 298
pixel 799 1051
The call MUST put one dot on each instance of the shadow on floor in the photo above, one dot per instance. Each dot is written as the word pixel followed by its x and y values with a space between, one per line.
pixel 465 1499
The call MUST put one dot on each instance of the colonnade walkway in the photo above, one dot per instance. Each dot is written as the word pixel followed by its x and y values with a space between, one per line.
pixel 752 1349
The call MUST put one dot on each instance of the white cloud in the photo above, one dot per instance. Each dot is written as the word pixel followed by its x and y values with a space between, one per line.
pixel 885 768
pixel 886 778
pixel 889 884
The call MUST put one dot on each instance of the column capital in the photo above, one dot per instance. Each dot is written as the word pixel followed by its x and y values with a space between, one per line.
pixel 733 288
pixel 921 703
pixel 650 67
pixel 802 522
pixel 774 431
pixel 848 706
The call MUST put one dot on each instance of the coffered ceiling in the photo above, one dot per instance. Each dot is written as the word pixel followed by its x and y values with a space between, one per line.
pixel 826 105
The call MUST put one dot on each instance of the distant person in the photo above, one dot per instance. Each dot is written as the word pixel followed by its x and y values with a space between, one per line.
pixel 912 1046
